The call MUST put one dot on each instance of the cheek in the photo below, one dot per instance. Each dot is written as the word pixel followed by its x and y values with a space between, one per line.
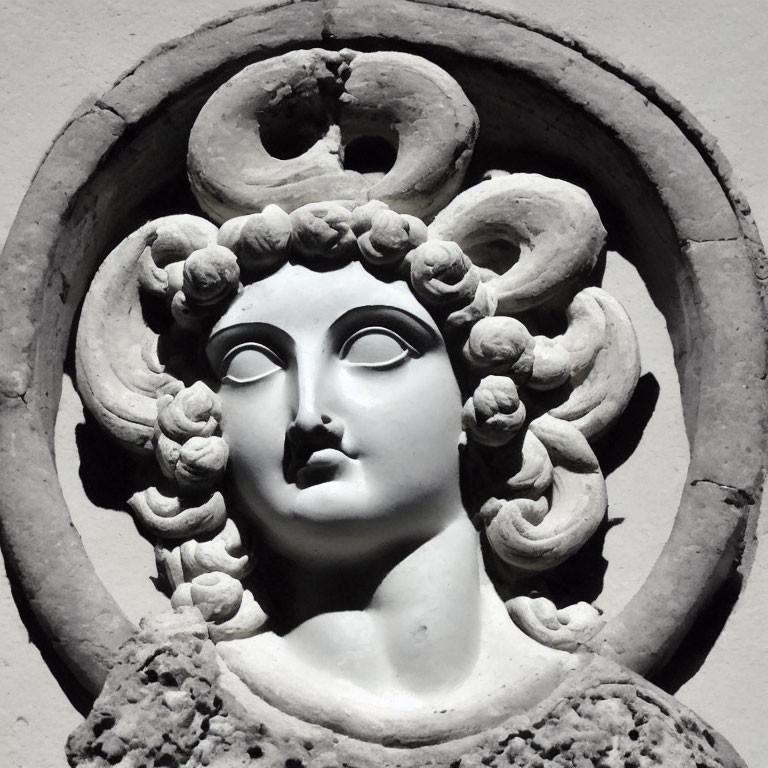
pixel 433 412
pixel 254 421
pixel 410 416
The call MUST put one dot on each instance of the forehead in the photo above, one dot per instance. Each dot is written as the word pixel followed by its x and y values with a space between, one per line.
pixel 296 298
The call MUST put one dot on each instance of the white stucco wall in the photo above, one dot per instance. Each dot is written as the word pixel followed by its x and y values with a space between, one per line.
pixel 709 54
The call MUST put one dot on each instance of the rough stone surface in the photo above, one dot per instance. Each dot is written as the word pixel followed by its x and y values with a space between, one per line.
pixel 167 703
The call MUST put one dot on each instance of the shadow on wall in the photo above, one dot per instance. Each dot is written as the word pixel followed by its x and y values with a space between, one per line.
pixel 620 443
pixel 109 475
pixel 612 451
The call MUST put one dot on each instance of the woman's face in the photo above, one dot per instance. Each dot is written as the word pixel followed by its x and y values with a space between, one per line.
pixel 341 412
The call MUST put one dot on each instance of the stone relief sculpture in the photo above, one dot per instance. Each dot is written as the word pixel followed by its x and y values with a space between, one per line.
pixel 370 397
pixel 361 379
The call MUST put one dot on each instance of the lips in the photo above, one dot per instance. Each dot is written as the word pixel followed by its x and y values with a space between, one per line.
pixel 320 466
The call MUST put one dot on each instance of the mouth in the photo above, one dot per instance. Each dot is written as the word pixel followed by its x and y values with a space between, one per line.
pixel 318 466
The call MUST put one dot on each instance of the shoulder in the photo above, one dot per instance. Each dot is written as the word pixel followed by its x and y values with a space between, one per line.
pixel 169 701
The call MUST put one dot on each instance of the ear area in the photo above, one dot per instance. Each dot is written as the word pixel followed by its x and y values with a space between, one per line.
pixel 119 374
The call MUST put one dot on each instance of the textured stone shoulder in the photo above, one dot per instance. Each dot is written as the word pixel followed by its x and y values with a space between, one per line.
pixel 168 702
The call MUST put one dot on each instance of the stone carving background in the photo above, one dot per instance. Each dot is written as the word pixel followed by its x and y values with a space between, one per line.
pixel 99 46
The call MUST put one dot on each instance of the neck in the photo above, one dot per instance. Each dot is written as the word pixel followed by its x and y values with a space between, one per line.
pixel 417 619
pixel 300 593
pixel 431 654
pixel 428 609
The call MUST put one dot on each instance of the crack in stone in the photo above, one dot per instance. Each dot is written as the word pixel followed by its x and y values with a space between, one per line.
pixel 712 240
pixel 739 497
pixel 100 105
pixel 673 109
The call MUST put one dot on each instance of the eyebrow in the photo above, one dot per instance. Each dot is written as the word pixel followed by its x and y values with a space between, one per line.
pixel 225 339
pixel 387 316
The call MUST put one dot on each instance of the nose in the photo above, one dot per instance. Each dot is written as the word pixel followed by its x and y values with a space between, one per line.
pixel 314 420
pixel 312 426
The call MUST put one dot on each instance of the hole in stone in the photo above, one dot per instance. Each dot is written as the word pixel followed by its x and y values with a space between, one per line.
pixel 497 253
pixel 369 154
pixel 293 126
pixel 102 725
pixel 167 679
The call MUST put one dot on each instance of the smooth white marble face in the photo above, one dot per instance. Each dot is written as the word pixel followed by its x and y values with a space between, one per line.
pixel 342 414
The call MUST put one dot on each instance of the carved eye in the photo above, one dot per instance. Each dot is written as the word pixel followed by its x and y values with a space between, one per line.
pixel 379 348
pixel 247 363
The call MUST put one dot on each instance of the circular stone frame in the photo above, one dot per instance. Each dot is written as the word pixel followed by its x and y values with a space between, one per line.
pixel 546 103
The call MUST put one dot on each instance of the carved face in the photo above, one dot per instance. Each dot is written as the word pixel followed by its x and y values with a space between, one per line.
pixel 341 412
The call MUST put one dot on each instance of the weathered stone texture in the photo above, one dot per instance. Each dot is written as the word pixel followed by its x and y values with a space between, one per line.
pixel 165 704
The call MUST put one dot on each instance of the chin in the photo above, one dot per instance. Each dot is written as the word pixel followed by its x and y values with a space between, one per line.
pixel 332 502
pixel 335 523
